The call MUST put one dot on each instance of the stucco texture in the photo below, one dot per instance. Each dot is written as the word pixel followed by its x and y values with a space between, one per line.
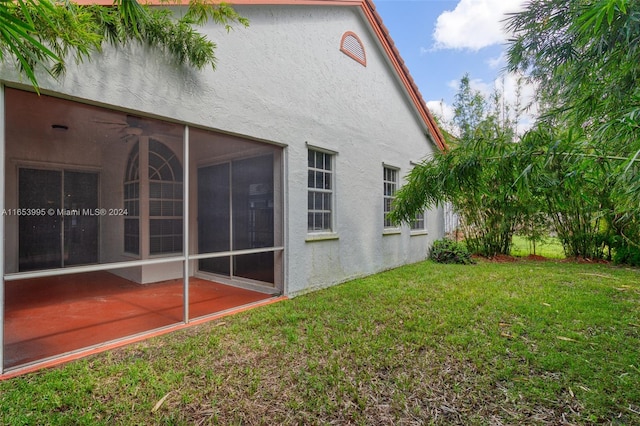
pixel 284 81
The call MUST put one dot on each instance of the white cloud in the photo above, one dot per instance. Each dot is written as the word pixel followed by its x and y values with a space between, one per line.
pixel 474 24
pixel 485 88
pixel 453 84
pixel 476 84
pixel 507 84
pixel 443 112
pixel 499 62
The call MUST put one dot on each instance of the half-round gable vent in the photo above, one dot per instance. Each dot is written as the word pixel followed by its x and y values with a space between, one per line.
pixel 351 46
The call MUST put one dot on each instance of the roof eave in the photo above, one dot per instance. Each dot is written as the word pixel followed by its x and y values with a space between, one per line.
pixel 380 31
pixel 403 72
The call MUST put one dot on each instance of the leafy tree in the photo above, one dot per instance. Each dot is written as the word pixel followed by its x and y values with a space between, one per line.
pixel 470 109
pixel 578 166
pixel 46 34
pixel 468 176
pixel 583 56
pixel 567 188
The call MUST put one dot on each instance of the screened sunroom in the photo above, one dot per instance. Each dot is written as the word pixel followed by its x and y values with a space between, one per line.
pixel 117 225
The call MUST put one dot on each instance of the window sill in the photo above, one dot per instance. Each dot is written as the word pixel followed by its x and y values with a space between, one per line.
pixel 325 236
pixel 416 233
pixel 392 231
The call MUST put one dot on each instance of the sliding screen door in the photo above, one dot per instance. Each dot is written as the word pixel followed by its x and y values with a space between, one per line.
pixel 236 212
pixel 59 226
pixel 80 230
pixel 214 217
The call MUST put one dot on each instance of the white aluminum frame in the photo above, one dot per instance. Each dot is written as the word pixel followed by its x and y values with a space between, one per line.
pixel 2 183
pixel 186 258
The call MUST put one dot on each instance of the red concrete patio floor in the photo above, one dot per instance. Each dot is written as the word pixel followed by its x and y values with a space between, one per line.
pixel 47 317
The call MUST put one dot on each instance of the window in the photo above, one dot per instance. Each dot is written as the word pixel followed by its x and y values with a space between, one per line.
pixel 165 200
pixel 390 182
pixel 164 181
pixel 351 46
pixel 320 187
pixel 132 203
pixel 419 222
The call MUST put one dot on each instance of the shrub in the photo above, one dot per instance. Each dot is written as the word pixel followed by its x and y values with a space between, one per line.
pixel 449 251
pixel 626 254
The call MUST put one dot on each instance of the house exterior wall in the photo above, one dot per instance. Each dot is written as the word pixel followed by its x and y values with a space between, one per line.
pixel 284 80
pixel 308 92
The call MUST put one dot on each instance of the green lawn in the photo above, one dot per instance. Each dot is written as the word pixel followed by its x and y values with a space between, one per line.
pixel 492 343
pixel 550 247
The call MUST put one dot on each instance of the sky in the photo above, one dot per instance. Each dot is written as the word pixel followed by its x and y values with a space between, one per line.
pixel 442 40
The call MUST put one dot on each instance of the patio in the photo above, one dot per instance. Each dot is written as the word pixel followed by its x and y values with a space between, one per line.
pixel 49 317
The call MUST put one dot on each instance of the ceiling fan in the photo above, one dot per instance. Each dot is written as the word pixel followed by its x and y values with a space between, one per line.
pixel 131 127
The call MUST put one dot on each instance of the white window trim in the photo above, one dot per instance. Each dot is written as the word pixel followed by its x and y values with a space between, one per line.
pixel 321 236
pixel 324 234
pixel 389 230
pixel 423 231
pixel 420 231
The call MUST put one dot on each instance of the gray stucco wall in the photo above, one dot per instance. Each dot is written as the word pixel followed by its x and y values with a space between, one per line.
pixel 284 80
pixel 307 91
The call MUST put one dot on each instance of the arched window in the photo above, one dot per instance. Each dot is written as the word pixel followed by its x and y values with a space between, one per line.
pixel 132 202
pixel 351 46
pixel 165 187
pixel 165 200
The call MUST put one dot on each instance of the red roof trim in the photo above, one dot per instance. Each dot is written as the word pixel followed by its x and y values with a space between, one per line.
pixel 380 30
pixel 398 63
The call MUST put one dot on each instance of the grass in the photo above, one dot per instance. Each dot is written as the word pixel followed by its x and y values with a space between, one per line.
pixel 492 343
pixel 550 248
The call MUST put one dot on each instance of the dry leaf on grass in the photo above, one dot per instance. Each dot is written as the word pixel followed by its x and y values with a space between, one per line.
pixel 598 275
pixel 159 403
pixel 566 339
